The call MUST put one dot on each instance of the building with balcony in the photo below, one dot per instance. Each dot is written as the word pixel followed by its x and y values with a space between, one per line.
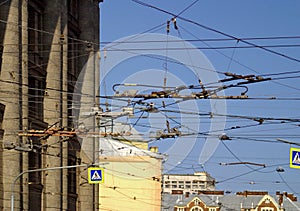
pixel 188 183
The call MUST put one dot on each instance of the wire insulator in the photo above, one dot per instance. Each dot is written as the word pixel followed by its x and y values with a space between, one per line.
pixel 168 27
pixel 175 23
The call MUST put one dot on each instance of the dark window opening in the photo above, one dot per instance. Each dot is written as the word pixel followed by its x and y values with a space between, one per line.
pixel 1 54
pixel 73 8
pixel 36 97
pixel 73 149
pixel 36 88
pixel 35 27
pixel 34 178
pixel 2 107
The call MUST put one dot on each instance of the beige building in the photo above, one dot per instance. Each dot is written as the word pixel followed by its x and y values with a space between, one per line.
pixel 188 183
pixel 44 47
pixel 132 177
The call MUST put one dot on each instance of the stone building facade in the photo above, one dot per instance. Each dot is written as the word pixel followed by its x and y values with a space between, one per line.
pixel 44 46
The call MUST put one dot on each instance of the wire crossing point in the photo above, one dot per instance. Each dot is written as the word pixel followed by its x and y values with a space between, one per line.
pixel 295 158
pixel 95 175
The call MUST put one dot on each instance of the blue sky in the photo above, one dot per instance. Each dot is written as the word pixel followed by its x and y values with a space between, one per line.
pixel 250 141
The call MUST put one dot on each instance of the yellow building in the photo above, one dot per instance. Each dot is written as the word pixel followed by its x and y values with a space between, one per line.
pixel 132 177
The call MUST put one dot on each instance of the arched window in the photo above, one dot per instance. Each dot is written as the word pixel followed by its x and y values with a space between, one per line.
pixel 196 208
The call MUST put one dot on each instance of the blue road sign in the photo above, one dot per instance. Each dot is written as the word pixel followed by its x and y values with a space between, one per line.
pixel 95 175
pixel 295 158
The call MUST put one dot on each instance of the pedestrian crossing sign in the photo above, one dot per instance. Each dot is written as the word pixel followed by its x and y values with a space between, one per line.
pixel 295 158
pixel 95 175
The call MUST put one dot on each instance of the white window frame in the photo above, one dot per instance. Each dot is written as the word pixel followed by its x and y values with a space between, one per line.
pixel 267 209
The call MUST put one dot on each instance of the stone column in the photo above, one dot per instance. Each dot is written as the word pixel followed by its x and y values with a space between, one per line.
pixel 24 79
pixel 9 95
pixel 53 103
pixel 89 25
pixel 64 106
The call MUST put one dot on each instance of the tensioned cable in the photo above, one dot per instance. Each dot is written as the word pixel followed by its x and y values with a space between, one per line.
pixel 232 55
pixel 283 180
pixel 207 39
pixel 139 2
pixel 216 31
pixel 185 9
pixel 156 27
pixel 240 175
pixel 207 48
pixel 281 73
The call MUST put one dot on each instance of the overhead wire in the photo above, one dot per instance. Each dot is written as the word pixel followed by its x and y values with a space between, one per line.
pixel 232 55
pixel 266 48
pixel 215 30
pixel 185 9
pixel 287 185
pixel 278 79
pixel 252 70
pixel 196 39
pixel 281 121
pixel 202 48
pixel 232 38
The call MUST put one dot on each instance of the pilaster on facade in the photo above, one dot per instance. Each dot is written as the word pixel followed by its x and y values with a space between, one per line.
pixel 11 97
